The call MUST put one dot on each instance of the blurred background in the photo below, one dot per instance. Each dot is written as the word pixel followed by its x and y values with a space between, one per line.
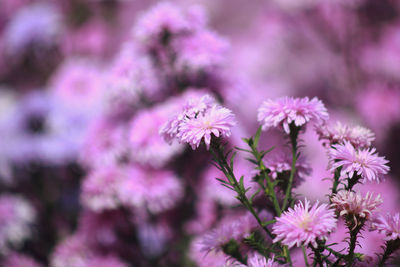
pixel 85 85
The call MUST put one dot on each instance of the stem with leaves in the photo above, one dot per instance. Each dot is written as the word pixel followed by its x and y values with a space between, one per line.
pixel 294 133
pixel 390 247
pixel 220 158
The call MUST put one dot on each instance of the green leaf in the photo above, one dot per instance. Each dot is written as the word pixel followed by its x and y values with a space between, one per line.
pixel 257 136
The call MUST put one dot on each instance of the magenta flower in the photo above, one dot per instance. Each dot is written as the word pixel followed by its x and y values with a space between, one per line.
pixel 363 162
pixel 388 225
pixel 339 133
pixel 200 119
pixel 304 224
pixel 287 110
pixel 354 205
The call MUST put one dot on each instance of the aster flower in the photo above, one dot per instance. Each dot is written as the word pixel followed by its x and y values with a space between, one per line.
pixel 362 162
pixel 355 206
pixel 304 224
pixel 388 225
pixel 287 110
pixel 216 121
pixel 339 133
pixel 257 260
pixel 206 258
pixel 16 216
pixel 198 122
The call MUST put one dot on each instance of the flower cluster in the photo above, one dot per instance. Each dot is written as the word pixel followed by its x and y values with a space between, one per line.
pixel 388 225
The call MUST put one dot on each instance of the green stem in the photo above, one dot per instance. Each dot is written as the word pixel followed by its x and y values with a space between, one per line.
pixel 336 180
pixel 286 253
pixel 391 246
pixel 317 257
pixel 294 132
pixel 352 246
pixel 218 153
pixel 305 255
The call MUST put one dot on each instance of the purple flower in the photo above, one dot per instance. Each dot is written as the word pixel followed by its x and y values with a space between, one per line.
pixel 363 162
pixel 355 206
pixel 388 225
pixel 287 110
pixel 304 224
pixel 358 136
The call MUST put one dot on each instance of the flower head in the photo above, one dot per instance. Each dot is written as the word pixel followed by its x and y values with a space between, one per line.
pixel 304 224
pixel 355 206
pixel 287 110
pixel 339 133
pixel 200 119
pixel 363 162
pixel 257 260
pixel 388 225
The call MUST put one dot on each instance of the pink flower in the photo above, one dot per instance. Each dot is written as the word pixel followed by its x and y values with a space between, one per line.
pixel 199 120
pixel 257 260
pixel 363 162
pixel 388 225
pixel 304 224
pixel 216 121
pixel 358 136
pixel 99 189
pixel 155 190
pixel 201 51
pixel 287 110
pixel 146 144
pixel 354 205
pixel 162 17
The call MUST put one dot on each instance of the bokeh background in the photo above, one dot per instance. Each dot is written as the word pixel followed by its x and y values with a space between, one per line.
pixel 85 85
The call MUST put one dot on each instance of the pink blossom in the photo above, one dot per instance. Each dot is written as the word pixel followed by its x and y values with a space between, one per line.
pixel 206 258
pixel 388 225
pixel 99 188
pixel 362 162
pixel 146 144
pixel 304 224
pixel 354 205
pixel 257 260
pixel 339 133
pixel 287 110
pixel 216 121
pixel 155 190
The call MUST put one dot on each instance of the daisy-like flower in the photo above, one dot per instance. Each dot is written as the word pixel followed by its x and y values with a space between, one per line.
pixel 287 110
pixel 339 133
pixel 304 224
pixel 257 260
pixel 216 121
pixel 362 162
pixel 354 206
pixel 200 119
pixel 388 225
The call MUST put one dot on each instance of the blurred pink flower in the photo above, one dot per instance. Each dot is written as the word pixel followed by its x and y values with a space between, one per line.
pixel 363 162
pixel 388 225
pixel 257 260
pixel 284 111
pixel 155 190
pixel 304 224
pixel 339 133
